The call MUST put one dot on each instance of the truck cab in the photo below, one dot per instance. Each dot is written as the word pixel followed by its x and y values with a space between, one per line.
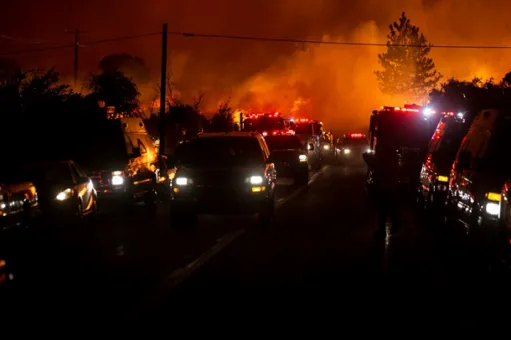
pixel 123 161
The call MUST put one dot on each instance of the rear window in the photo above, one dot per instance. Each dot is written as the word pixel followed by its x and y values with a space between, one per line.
pixel 264 123
pixel 356 141
pixel 221 151
pixel 283 142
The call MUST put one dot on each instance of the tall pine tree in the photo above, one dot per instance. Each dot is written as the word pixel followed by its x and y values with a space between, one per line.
pixel 407 70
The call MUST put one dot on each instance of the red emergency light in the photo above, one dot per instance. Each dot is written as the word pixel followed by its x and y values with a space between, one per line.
pixel 259 115
pixel 356 135
pixel 401 109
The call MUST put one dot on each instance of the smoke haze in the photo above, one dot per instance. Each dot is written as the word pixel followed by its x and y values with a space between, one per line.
pixel 336 82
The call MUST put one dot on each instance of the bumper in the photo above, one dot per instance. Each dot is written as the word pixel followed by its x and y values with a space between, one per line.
pixel 219 204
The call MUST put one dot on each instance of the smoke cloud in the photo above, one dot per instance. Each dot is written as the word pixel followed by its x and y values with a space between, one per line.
pixel 336 83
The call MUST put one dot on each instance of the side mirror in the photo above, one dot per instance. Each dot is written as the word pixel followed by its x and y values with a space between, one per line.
pixel 310 147
pixel 136 152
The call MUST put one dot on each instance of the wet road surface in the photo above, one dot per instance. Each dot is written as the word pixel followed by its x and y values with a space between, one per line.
pixel 319 258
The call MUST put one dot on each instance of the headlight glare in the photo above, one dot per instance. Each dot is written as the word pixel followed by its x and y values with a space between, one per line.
pixel 64 195
pixel 182 181
pixel 255 180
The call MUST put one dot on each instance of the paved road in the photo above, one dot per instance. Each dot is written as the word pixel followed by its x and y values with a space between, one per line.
pixel 105 266
pixel 319 258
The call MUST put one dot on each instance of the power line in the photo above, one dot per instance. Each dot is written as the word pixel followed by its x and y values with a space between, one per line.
pixel 249 38
pixel 321 42
pixel 95 42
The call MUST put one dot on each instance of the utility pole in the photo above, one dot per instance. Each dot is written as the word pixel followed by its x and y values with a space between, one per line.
pixel 163 87
pixel 77 46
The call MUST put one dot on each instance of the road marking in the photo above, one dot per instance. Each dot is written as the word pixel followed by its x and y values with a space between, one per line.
pixel 295 193
pixel 173 280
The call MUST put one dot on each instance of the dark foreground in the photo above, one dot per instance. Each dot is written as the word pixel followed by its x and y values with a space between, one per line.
pixel 318 260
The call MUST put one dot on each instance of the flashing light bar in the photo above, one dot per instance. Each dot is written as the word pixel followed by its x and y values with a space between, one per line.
pixel 401 109
pixel 279 133
pixel 356 135
pixel 259 115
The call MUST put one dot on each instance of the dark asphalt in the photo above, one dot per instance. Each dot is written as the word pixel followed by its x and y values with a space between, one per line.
pixel 318 259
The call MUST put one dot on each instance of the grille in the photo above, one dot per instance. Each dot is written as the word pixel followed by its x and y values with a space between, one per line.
pixel 101 178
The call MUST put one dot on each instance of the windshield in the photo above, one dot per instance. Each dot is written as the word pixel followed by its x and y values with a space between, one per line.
pixel 495 160
pixel 445 149
pixel 264 123
pixel 107 146
pixel 283 142
pixel 220 151
pixel 48 172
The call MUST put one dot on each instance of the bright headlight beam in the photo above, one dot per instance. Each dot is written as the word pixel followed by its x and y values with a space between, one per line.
pixel 256 180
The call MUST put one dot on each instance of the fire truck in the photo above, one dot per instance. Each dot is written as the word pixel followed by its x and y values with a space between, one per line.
pixel 409 130
pixel 268 124
pixel 310 131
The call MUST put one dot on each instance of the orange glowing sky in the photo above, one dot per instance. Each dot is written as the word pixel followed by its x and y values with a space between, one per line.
pixel 338 80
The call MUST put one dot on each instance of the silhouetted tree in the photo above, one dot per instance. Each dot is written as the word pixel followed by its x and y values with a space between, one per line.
pixel 8 68
pixel 132 66
pixel 407 69
pixel 115 89
pixel 467 96
pixel 222 120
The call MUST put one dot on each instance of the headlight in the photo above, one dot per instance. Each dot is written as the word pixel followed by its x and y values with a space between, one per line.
pixel 346 151
pixel 326 147
pixel 493 208
pixel 117 178
pixel 64 195
pixel 302 158
pixel 182 181
pixel 369 150
pixel 256 180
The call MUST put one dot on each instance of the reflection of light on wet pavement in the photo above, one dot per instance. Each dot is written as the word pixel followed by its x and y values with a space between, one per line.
pixel 119 251
pixel 388 226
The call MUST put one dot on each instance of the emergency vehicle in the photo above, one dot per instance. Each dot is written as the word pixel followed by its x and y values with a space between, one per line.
pixel 310 132
pixel 268 124
pixel 352 146
pixel 479 183
pixel 408 129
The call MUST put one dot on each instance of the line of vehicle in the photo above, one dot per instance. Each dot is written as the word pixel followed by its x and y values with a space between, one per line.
pixel 173 280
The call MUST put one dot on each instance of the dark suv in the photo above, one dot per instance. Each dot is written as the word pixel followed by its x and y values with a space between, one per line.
pixel 290 158
pixel 223 173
